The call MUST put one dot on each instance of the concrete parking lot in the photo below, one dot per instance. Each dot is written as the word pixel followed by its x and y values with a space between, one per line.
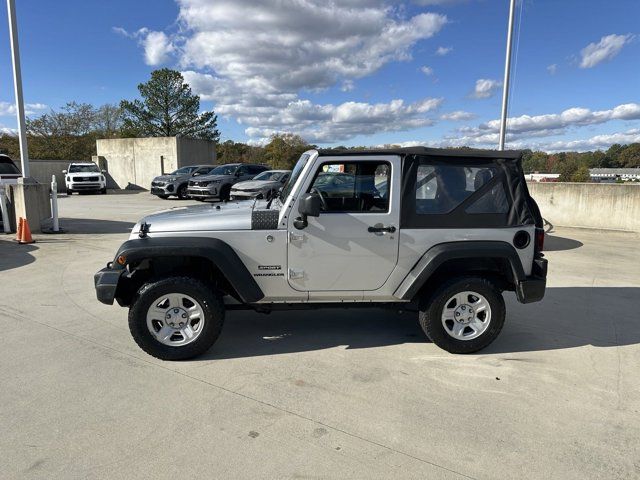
pixel 322 395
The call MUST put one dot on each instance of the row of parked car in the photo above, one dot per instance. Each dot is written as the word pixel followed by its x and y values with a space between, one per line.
pixel 223 182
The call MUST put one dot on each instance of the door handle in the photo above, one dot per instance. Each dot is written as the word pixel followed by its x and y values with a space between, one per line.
pixel 389 229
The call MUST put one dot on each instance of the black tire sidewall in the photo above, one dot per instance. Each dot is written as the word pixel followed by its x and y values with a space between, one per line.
pixel 431 314
pixel 210 302
pixel 181 192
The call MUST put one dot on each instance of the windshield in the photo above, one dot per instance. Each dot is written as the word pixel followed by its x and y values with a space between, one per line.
pixel 183 171
pixel 84 169
pixel 295 173
pixel 7 166
pixel 224 170
pixel 270 176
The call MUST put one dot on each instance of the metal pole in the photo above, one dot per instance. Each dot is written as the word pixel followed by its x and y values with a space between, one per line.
pixel 54 204
pixel 507 72
pixel 17 83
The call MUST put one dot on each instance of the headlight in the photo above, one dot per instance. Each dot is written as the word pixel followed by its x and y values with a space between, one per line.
pixel 68 179
pixel 101 178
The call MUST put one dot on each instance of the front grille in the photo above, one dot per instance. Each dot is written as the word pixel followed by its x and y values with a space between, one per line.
pixel 85 179
pixel 157 184
pixel 198 184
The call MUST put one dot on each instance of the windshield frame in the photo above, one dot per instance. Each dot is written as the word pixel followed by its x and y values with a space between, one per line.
pixel 224 168
pixel 296 171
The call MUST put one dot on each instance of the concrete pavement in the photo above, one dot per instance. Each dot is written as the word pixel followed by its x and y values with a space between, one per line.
pixel 326 394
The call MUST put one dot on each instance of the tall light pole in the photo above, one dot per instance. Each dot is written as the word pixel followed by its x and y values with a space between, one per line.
pixel 507 73
pixel 17 84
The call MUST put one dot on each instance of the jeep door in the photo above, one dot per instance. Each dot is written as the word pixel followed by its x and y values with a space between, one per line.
pixel 353 244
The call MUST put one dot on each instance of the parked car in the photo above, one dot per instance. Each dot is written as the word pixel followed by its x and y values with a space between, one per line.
pixel 175 183
pixel 9 173
pixel 218 183
pixel 264 185
pixel 84 177
pixel 450 232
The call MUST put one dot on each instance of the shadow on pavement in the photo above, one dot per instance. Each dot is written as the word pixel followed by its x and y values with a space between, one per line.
pixel 14 255
pixel 556 244
pixel 249 334
pixel 566 318
pixel 92 225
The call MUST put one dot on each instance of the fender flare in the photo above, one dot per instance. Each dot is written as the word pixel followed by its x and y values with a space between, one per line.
pixel 442 252
pixel 217 251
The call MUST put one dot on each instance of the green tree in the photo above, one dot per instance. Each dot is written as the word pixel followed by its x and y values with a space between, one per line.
pixel 284 149
pixel 630 156
pixel 581 174
pixel 167 109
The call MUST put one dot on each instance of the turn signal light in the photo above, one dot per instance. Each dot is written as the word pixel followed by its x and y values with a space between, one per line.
pixel 539 239
pixel 121 259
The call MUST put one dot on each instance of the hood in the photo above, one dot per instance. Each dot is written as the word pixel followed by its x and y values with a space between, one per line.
pixel 252 184
pixel 208 178
pixel 199 218
pixel 83 174
pixel 166 178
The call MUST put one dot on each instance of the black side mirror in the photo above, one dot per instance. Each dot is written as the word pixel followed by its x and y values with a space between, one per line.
pixel 309 206
pixel 238 173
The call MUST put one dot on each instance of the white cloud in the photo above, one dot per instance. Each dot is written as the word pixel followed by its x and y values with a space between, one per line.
pixel 255 59
pixel 485 88
pixel 437 2
pixel 7 130
pixel 552 69
pixel 520 130
pixel 347 86
pixel 442 51
pixel 458 116
pixel 158 46
pixel 607 48
pixel 334 123
pixel 7 109
pixel 597 142
pixel 428 71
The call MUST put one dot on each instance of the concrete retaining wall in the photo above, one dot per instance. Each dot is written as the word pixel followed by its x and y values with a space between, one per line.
pixel 594 205
pixel 133 162
pixel 42 170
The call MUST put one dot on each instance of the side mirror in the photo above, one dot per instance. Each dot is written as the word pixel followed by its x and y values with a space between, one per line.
pixel 64 171
pixel 309 206
pixel 103 171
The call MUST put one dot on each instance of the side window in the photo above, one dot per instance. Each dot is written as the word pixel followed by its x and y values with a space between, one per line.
pixel 353 186
pixel 202 171
pixel 242 170
pixel 255 169
pixel 441 188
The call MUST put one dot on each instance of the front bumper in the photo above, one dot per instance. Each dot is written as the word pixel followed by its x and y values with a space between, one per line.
pixel 532 288
pixel 168 189
pixel 209 192
pixel 76 187
pixel 243 195
pixel 106 282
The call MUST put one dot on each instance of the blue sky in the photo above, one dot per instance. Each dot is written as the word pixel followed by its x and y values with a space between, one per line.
pixel 356 72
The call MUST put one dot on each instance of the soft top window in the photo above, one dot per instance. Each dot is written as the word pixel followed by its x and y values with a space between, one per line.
pixel 463 192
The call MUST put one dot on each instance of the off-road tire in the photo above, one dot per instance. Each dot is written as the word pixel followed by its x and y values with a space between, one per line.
pixel 225 193
pixel 103 191
pixel 182 192
pixel 431 308
pixel 212 306
pixel 69 192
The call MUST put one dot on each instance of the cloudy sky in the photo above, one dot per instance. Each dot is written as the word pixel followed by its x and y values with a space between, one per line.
pixel 349 72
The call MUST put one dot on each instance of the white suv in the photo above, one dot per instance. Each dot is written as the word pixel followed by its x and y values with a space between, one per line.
pixel 85 177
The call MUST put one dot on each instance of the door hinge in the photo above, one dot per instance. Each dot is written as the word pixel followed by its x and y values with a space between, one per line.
pixel 296 237
pixel 293 274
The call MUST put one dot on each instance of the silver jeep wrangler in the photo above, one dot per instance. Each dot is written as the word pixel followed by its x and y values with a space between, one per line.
pixel 439 232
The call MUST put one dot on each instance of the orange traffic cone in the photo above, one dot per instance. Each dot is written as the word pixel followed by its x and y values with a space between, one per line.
pixel 19 229
pixel 26 233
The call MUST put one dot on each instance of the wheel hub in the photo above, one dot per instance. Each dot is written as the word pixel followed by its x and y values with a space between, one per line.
pixel 464 314
pixel 176 317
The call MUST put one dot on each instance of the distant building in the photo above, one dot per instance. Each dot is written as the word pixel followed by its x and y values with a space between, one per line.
pixel 610 175
pixel 542 177
pixel 133 162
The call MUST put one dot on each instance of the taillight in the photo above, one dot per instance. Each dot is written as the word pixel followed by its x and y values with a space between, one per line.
pixel 539 239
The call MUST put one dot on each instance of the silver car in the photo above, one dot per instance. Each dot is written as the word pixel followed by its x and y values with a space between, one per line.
pixel 175 183
pixel 264 185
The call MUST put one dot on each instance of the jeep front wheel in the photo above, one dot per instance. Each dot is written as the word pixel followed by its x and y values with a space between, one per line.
pixel 176 318
pixel 464 315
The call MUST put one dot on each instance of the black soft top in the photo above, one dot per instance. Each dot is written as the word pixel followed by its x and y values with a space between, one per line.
pixel 426 151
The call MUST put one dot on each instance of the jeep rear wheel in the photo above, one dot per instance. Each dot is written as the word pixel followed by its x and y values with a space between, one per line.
pixel 176 318
pixel 464 315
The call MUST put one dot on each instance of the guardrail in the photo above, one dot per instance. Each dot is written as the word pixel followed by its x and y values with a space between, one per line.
pixel 594 205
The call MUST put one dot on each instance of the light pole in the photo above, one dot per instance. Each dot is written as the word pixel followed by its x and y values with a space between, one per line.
pixel 17 84
pixel 507 72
